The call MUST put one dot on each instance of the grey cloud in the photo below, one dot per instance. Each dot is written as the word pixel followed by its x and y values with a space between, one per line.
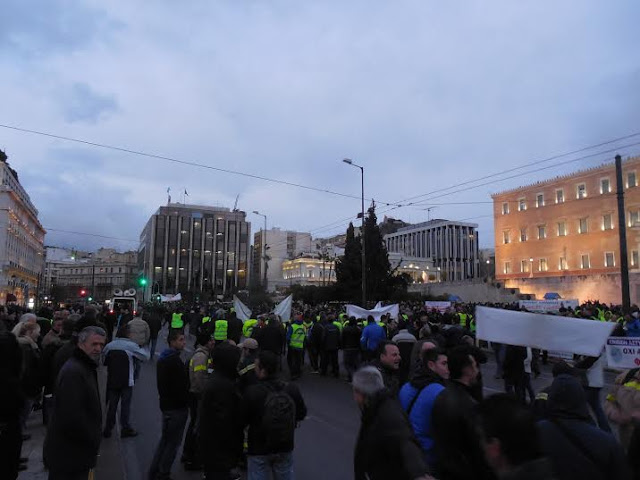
pixel 83 104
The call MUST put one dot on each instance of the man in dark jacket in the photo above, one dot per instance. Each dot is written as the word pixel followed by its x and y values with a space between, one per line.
pixel 173 389
pixel 272 337
pixel 73 437
pixel 271 445
pixel 458 449
pixel 513 367
pixel 154 319
pixel 11 401
pixel 220 429
pixel 315 337
pixel 388 363
pixel 351 347
pixel 330 347
pixel 510 440
pixel 386 446
pixel 246 367
pixel 48 355
pixel 234 328
pixel 576 447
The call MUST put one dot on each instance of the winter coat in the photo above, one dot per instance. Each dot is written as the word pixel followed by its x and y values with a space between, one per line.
pixel 331 340
pixel 372 335
pixel 234 329
pixel 427 386
pixel 75 428
pixel 351 338
pixel 539 469
pixel 458 450
pixel 622 402
pixel 405 342
pixel 387 447
pixel 316 335
pixel 31 378
pixel 253 409
pixel 154 320
pixel 390 377
pixel 51 338
pixel 577 448
pixel 220 430
pixel 139 331
pixel 271 338
pixel 173 381
pixel 198 370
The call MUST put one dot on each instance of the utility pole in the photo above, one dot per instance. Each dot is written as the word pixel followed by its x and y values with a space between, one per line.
pixel 622 230
pixel 348 161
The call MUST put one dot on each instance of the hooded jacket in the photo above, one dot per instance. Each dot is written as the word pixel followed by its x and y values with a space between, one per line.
pixel 422 390
pixel 577 448
pixel 173 381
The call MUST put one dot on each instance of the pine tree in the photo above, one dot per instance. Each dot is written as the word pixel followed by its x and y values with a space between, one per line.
pixel 378 269
pixel 349 267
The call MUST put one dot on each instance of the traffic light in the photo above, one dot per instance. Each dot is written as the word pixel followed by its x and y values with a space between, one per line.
pixel 142 281
pixel 83 293
pixel 90 299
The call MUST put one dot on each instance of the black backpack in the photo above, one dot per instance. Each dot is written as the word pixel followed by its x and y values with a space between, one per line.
pixel 278 418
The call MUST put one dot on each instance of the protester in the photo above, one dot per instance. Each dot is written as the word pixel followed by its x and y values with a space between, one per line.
pixel 513 368
pixel 154 320
pixel 246 367
pixel 220 430
pixel 53 335
pixel 372 335
pixel 315 337
pixel 31 376
pixel 386 447
pixel 622 405
pixel 235 328
pixel 272 338
pixel 173 390
pixel 576 448
pixel 405 342
pixel 330 347
pixel 593 368
pixel 11 405
pixel 73 437
pixel 121 357
pixel 199 366
pixel 510 440
pixel 351 347
pixel 272 410
pixel 139 331
pixel 295 342
pixel 47 365
pixel 419 396
pixel 388 363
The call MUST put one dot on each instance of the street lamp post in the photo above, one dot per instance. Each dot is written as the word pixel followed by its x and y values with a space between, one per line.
pixel 348 161
pixel 264 250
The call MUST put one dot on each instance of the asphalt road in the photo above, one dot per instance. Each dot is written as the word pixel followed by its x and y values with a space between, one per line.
pixel 324 442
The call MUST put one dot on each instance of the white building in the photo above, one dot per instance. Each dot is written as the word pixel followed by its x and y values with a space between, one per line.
pixel 21 241
pixel 421 270
pixel 452 246
pixel 309 269
pixel 282 245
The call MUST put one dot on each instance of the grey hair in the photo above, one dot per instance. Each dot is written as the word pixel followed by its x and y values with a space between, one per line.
pixel 425 332
pixel 90 330
pixel 368 381
pixel 27 317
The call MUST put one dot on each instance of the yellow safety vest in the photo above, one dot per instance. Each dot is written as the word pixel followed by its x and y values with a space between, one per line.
pixel 220 332
pixel 297 336
pixel 247 328
pixel 206 320
pixel 176 320
pixel 339 325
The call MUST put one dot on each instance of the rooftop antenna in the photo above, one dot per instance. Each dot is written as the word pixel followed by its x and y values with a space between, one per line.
pixel 429 213
pixel 235 205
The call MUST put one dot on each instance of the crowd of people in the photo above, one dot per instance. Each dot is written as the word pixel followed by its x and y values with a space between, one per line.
pixel 416 379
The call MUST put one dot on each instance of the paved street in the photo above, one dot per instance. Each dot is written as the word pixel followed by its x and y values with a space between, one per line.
pixel 324 442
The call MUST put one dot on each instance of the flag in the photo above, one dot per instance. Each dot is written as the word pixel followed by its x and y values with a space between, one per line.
pixel 185 192
pixel 283 309
pixel 242 311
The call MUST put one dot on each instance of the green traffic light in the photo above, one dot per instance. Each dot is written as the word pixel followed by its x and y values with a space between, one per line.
pixel 90 299
pixel 143 281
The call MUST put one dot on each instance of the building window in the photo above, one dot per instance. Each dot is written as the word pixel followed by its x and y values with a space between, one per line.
pixel 539 200
pixel 581 191
pixel 542 265
pixel 523 234
pixel 560 196
pixel 562 264
pixel 634 218
pixel 562 229
pixel 522 205
pixel 583 226
pixel 609 259
pixel 631 180
pixel 507 267
pixel 584 261
pixel 605 186
pixel 505 208
pixel 607 222
pixel 634 258
pixel 542 232
pixel 524 266
pixel 506 238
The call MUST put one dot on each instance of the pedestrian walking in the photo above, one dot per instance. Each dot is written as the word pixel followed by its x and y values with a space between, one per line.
pixel 139 331
pixel 386 447
pixel 73 437
pixel 154 320
pixel 220 431
pixel 199 367
pixel 173 390
pixel 272 409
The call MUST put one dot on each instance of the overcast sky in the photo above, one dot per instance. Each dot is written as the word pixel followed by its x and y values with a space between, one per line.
pixel 424 94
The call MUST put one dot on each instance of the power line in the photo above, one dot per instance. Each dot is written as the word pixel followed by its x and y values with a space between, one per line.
pixel 91 235
pixel 178 161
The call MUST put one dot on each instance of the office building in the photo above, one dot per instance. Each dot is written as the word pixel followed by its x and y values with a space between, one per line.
pixel 282 245
pixel 198 251
pixel 451 246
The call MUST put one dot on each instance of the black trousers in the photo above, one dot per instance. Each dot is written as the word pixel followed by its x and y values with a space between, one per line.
pixel 329 357
pixel 294 359
pixel 350 359
pixel 313 358
pixel 190 448
pixel 10 446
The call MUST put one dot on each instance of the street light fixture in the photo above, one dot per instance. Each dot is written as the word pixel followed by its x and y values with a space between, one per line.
pixel 264 250
pixel 348 161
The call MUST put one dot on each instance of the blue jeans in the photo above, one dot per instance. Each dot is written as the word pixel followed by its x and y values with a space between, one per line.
pixel 115 396
pixel 173 423
pixel 261 467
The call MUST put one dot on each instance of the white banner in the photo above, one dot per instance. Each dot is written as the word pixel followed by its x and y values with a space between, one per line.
pixel 440 306
pixel 283 309
pixel 548 305
pixel 171 298
pixel 242 311
pixel 359 312
pixel 546 332
pixel 623 352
